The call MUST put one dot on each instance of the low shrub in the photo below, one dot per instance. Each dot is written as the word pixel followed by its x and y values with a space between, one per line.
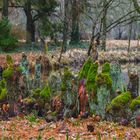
pixel 7 41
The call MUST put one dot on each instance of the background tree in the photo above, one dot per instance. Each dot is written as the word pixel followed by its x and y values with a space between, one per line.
pixel 136 5
pixel 124 18
pixel 7 41
pixel 75 35
pixel 65 25
pixel 104 24
pixel 34 10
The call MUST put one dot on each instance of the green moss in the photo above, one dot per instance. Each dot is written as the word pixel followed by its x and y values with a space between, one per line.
pixel 19 68
pixel 106 68
pixel 121 100
pixel 9 60
pixel 134 103
pixel 104 79
pixel 46 92
pixel 3 90
pixel 138 98
pixel 84 70
pixel 2 84
pixel 36 93
pixel 7 73
pixel 29 100
pixel 92 72
pixel 3 93
pixel 90 84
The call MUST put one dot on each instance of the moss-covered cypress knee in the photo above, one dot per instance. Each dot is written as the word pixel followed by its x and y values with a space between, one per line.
pixel 91 83
pixel 85 68
pixel 106 68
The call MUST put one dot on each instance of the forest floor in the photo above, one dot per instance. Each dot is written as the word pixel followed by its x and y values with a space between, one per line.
pixel 116 50
pixel 72 129
pixel 69 129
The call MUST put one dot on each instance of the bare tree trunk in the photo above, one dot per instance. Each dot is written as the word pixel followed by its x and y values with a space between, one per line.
pixel 135 30
pixel 92 40
pixel 65 26
pixel 104 21
pixel 75 35
pixel 30 26
pixel 5 8
pixel 130 32
pixel 65 29
pixel 120 33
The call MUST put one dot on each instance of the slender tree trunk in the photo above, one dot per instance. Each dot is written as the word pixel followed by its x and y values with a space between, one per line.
pixel 92 40
pixel 120 33
pixel 130 32
pixel 30 26
pixel 65 30
pixel 134 30
pixel 104 26
pixel 65 26
pixel 75 35
pixel 5 8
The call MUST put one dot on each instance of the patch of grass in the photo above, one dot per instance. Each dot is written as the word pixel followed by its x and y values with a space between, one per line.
pixel 99 136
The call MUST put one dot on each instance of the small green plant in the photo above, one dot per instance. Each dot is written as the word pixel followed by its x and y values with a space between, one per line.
pixel 39 136
pixel 99 136
pixel 32 118
pixel 46 92
pixel 51 138
pixel 7 73
pixel 29 100
pixel 9 60
pixel 67 135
